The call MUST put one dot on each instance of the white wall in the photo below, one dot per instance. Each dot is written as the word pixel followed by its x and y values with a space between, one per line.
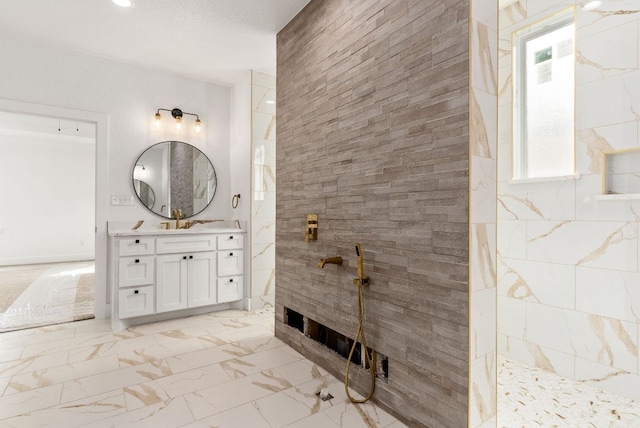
pixel 47 193
pixel 569 277
pixel 129 95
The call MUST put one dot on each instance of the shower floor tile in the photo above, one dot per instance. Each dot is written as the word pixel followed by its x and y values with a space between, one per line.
pixel 531 397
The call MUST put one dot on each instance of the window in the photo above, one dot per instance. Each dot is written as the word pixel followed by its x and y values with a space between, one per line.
pixel 544 98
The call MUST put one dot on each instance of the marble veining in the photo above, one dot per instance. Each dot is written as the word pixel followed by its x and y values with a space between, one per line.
pixel 220 369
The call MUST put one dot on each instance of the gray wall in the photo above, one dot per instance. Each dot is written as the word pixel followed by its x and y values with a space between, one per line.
pixel 373 136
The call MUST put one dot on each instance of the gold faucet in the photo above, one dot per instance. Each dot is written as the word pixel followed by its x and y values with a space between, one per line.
pixel 337 260
pixel 177 213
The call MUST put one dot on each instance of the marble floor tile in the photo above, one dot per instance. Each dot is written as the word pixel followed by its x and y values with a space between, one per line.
pixel 115 379
pixel 171 413
pixel 31 364
pixel 224 369
pixel 223 397
pixel 259 361
pixel 243 416
pixel 347 414
pixel 77 413
pixel 26 402
pixel 144 394
pixel 193 380
pixel 54 375
pixel 317 420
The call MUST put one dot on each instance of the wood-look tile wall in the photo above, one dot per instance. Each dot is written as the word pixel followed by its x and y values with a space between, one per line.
pixel 373 136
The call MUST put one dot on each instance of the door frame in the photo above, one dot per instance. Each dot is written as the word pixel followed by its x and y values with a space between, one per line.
pixel 101 120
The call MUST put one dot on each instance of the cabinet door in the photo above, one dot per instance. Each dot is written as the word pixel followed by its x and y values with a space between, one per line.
pixel 230 262
pixel 202 279
pixel 171 282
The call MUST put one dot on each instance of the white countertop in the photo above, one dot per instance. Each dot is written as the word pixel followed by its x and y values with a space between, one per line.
pixel 125 228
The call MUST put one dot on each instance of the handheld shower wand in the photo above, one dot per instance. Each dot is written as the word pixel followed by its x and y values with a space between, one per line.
pixel 361 279
pixel 359 282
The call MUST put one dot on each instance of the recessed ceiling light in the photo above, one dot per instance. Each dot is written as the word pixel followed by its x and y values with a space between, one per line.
pixel 592 5
pixel 123 3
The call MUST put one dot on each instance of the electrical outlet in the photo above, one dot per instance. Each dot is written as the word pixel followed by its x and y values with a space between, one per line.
pixel 121 200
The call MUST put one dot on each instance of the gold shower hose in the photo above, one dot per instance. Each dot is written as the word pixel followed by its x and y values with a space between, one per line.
pixel 372 367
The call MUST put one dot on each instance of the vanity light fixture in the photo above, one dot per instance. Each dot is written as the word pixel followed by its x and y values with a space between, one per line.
pixel 177 114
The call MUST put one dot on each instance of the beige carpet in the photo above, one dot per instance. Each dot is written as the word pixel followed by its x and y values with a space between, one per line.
pixel 14 282
pixel 63 294
pixel 84 307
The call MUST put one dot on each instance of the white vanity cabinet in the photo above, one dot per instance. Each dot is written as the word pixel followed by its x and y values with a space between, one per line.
pixel 155 274
pixel 136 266
pixel 230 267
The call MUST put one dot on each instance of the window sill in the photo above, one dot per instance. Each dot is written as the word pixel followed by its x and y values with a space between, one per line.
pixel 617 197
pixel 544 179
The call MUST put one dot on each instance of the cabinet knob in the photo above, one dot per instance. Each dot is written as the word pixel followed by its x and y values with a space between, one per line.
pixel 136 291
pixel 231 237
pixel 137 260
pixel 137 241
pixel 230 254
pixel 231 280
pixel 190 257
pixel 184 257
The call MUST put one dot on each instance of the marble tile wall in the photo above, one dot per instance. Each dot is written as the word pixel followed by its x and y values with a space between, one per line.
pixel 482 217
pixel 263 189
pixel 568 267
pixel 373 136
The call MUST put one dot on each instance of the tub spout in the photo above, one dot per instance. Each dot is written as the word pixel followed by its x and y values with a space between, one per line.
pixel 337 260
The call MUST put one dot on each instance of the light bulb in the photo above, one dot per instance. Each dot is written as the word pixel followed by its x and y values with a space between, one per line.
pixel 178 123
pixel 158 120
pixel 198 125
pixel 123 3
pixel 592 5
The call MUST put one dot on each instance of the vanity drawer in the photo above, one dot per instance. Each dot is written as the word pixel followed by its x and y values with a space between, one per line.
pixel 134 271
pixel 230 262
pixel 230 241
pixel 135 246
pixel 135 301
pixel 186 244
pixel 229 289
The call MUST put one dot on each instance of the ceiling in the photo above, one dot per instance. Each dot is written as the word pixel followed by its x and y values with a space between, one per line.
pixel 208 40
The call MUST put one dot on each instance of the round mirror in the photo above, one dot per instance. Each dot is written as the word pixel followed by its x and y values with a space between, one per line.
pixel 173 175
pixel 145 193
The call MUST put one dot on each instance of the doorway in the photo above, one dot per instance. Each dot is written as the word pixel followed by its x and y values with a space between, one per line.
pixel 48 223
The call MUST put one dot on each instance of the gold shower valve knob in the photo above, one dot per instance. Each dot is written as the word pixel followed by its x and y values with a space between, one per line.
pixel 311 229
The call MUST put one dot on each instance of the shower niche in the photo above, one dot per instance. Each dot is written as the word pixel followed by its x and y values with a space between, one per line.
pixel 337 342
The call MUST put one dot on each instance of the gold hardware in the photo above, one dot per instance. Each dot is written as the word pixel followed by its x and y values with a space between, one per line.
pixel 166 224
pixel 311 231
pixel 337 260
pixel 362 279
pixel 177 214
pixel 138 224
